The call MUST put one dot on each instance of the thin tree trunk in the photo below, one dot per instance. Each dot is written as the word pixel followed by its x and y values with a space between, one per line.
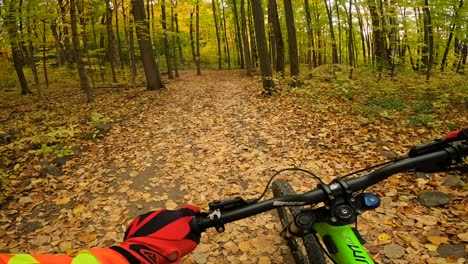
pixel 443 64
pixel 292 44
pixel 350 41
pixel 253 41
pixel 166 40
pixel 428 32
pixel 265 66
pixel 310 39
pixel 66 34
pixel 131 51
pixel 240 52
pixel 392 36
pixel 278 36
pixel 246 40
pixel 117 31
pixel 197 30
pixel 30 55
pixel 150 66
pixel 361 30
pixel 173 40
pixel 11 24
pixel 340 38
pixel 179 44
pixel 44 43
pixel 61 57
pixel 84 84
pixel 218 38
pixel 192 40
pixel 110 41
pixel 332 33
pixel 226 42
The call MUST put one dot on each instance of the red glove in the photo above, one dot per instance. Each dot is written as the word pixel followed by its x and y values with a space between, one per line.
pixel 162 236
pixel 461 134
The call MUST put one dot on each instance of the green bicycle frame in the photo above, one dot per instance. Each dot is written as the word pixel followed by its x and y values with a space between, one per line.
pixel 347 247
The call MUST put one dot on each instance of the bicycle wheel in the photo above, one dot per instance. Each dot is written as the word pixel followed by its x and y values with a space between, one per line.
pixel 305 249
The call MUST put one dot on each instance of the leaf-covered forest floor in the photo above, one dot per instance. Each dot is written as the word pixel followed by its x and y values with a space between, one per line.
pixel 216 136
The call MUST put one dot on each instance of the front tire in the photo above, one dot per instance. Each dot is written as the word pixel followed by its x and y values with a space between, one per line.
pixel 305 249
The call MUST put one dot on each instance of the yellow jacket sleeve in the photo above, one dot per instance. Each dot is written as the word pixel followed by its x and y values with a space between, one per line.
pixel 88 256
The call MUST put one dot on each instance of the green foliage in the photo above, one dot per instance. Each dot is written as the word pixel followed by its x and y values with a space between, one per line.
pixel 56 149
pixel 421 120
pixel 422 107
pixel 345 90
pixel 98 118
pixel 388 103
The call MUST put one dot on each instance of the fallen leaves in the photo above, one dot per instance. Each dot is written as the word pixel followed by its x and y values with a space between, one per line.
pixel 212 141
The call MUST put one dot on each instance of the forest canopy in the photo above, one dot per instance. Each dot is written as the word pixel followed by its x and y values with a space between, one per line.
pixel 104 39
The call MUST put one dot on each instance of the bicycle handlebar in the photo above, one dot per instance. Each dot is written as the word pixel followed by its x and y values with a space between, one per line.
pixel 451 154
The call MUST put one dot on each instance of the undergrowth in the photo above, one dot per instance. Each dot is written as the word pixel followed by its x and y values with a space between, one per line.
pixel 406 96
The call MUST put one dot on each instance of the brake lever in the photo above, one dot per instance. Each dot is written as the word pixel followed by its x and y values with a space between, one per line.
pixel 425 148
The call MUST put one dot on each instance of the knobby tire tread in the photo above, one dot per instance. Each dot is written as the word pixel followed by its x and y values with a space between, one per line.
pixel 314 253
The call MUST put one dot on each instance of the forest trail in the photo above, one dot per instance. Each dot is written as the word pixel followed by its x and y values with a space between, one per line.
pixel 204 138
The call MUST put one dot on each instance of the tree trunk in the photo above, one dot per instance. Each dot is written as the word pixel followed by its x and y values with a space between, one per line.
pixel 361 30
pixel 428 37
pixel 310 38
pixel 379 38
pixel 247 56
pixel 44 43
pixel 174 42
pixel 350 40
pixel 66 34
pixel 166 40
pixel 443 64
pixel 332 33
pixel 61 57
pixel 253 42
pixel 117 31
pixel 30 55
pixel 226 42
pixel 218 38
pixel 340 39
pixel 238 34
pixel 192 40
pixel 278 37
pixel 292 44
pixel 179 44
pixel 111 51
pixel 131 51
pixel 150 66
pixel 84 84
pixel 265 66
pixel 392 36
pixel 11 23
pixel 197 30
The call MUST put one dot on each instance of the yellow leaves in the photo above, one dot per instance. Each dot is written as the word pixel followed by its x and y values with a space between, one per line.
pixel 463 236
pixel 245 246
pixel 87 238
pixel 437 240
pixel 62 201
pixel 384 238
pixel 171 205
pixel 79 209
pixel 431 247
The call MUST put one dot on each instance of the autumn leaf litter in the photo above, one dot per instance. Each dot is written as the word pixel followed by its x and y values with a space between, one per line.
pixel 213 137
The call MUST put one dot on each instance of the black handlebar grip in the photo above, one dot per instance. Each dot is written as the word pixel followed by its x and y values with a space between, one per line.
pixel 200 223
pixel 461 134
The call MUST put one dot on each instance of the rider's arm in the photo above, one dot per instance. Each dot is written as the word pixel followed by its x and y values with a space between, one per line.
pixel 162 236
pixel 89 256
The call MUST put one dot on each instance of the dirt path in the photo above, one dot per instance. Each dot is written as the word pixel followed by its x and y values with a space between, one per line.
pixel 204 138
